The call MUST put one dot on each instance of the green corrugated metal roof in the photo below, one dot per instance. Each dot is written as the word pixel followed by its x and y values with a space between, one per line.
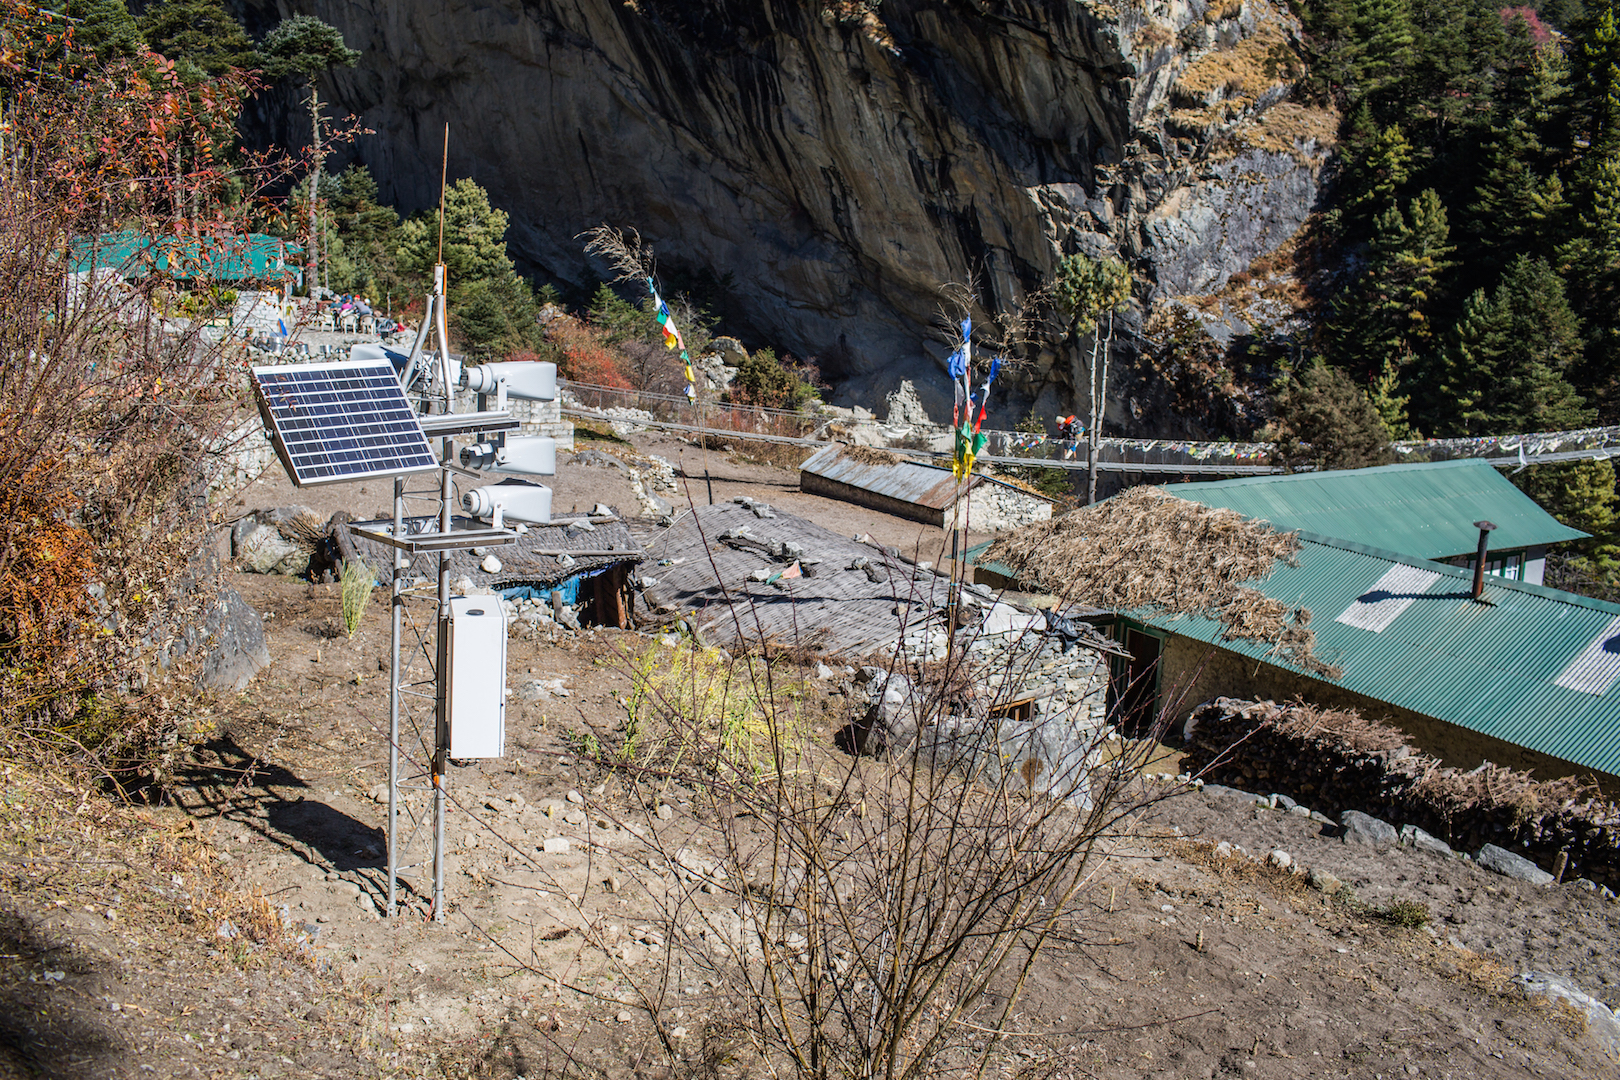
pixel 1514 668
pixel 974 556
pixel 255 256
pixel 1424 509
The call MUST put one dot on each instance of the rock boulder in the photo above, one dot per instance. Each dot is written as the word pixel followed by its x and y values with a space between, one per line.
pixel 1502 861
pixel 1362 828
pixel 838 173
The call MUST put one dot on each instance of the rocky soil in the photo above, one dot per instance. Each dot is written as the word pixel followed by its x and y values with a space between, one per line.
pixel 235 931
pixel 1179 962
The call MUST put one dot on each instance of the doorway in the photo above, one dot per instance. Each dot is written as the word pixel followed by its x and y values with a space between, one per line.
pixel 1136 683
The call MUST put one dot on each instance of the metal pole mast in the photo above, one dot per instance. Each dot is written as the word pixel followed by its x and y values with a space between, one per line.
pixel 441 718
pixel 397 614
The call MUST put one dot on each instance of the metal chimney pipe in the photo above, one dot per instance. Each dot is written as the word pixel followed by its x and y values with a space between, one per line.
pixel 1485 529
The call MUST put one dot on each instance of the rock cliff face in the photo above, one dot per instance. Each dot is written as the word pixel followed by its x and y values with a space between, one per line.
pixel 840 171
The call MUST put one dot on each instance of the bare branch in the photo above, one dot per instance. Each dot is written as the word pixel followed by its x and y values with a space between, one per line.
pixel 956 301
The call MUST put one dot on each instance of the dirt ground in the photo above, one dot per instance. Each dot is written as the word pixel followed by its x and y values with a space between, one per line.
pixel 235 931
pixel 578 488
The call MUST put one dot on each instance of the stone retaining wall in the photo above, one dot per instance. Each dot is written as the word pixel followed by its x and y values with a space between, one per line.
pixel 1336 760
pixel 997 508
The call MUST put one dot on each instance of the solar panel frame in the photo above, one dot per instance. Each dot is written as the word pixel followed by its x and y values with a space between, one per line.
pixel 332 423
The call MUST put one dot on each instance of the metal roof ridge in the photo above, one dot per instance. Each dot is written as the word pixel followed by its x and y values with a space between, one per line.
pixel 1543 591
pixel 1318 474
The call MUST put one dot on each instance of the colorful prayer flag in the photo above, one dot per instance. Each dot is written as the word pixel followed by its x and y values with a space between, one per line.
pixel 672 338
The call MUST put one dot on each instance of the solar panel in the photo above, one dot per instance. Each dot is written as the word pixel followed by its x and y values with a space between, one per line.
pixel 344 421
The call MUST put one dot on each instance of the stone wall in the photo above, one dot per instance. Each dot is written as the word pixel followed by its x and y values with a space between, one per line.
pixel 998 507
pixel 1193 673
pixel 1030 708
pixel 537 417
pixel 240 457
pixel 1336 760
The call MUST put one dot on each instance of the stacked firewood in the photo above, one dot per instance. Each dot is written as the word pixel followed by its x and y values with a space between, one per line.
pixel 1334 760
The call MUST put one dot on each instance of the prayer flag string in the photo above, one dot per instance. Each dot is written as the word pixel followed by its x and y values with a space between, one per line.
pixel 672 338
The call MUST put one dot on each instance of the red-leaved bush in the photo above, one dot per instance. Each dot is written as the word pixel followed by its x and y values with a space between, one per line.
pixel 114 397
pixel 585 354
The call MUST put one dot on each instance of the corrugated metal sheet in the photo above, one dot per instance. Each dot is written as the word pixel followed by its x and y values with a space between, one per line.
pixel 1424 509
pixel 974 556
pixel 1597 666
pixel 906 481
pixel 1495 667
pixel 1390 595
pixel 840 609
pixel 254 256
pixel 520 562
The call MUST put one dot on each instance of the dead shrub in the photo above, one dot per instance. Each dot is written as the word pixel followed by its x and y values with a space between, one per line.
pixel 114 397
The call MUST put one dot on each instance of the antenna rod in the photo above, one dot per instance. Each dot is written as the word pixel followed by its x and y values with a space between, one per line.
pixel 444 172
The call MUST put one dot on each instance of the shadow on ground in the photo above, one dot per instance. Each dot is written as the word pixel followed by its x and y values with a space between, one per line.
pixel 46 1028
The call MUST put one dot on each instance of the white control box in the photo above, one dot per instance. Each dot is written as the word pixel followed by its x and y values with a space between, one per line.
pixel 475 677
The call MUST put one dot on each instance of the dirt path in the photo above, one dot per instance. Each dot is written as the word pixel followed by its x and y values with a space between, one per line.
pixel 577 488
pixel 543 953
pixel 244 938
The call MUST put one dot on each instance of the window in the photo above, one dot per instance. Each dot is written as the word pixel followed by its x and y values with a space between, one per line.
pixel 1017 711
pixel 1503 564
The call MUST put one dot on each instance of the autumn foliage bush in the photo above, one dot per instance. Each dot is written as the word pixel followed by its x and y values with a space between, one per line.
pixel 584 355
pixel 111 410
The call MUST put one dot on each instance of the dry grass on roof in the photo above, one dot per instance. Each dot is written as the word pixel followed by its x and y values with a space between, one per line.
pixel 869 455
pixel 1148 551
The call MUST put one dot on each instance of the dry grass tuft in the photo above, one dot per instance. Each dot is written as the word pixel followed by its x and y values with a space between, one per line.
pixel 869 455
pixel 1344 727
pixel 306 530
pixel 1243 72
pixel 1238 869
pixel 1154 35
pixel 1288 124
pixel 1146 550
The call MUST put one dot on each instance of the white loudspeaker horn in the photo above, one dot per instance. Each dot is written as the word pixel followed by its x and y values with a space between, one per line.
pixel 510 502
pixel 533 455
pixel 525 380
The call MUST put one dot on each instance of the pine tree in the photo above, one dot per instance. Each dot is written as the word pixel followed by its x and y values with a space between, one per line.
pixel 365 235
pixel 306 48
pixel 492 306
pixel 1384 323
pixel 1506 370
pixel 1374 174
pixel 105 29
pixel 200 36
pixel 1326 421
pixel 622 320
pixel 1393 406
pixel 1461 47
pixel 1597 79
pixel 1519 203
pixel 474 237
pixel 1591 263
pixel 1582 495
pixel 1382 54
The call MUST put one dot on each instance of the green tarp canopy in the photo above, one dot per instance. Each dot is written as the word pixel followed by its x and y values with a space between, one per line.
pixel 249 257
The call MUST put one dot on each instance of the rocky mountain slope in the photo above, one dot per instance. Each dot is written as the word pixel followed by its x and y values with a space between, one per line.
pixel 839 161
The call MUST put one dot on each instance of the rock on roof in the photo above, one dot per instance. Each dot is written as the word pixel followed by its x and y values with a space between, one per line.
pixel 715 565
pixel 535 559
